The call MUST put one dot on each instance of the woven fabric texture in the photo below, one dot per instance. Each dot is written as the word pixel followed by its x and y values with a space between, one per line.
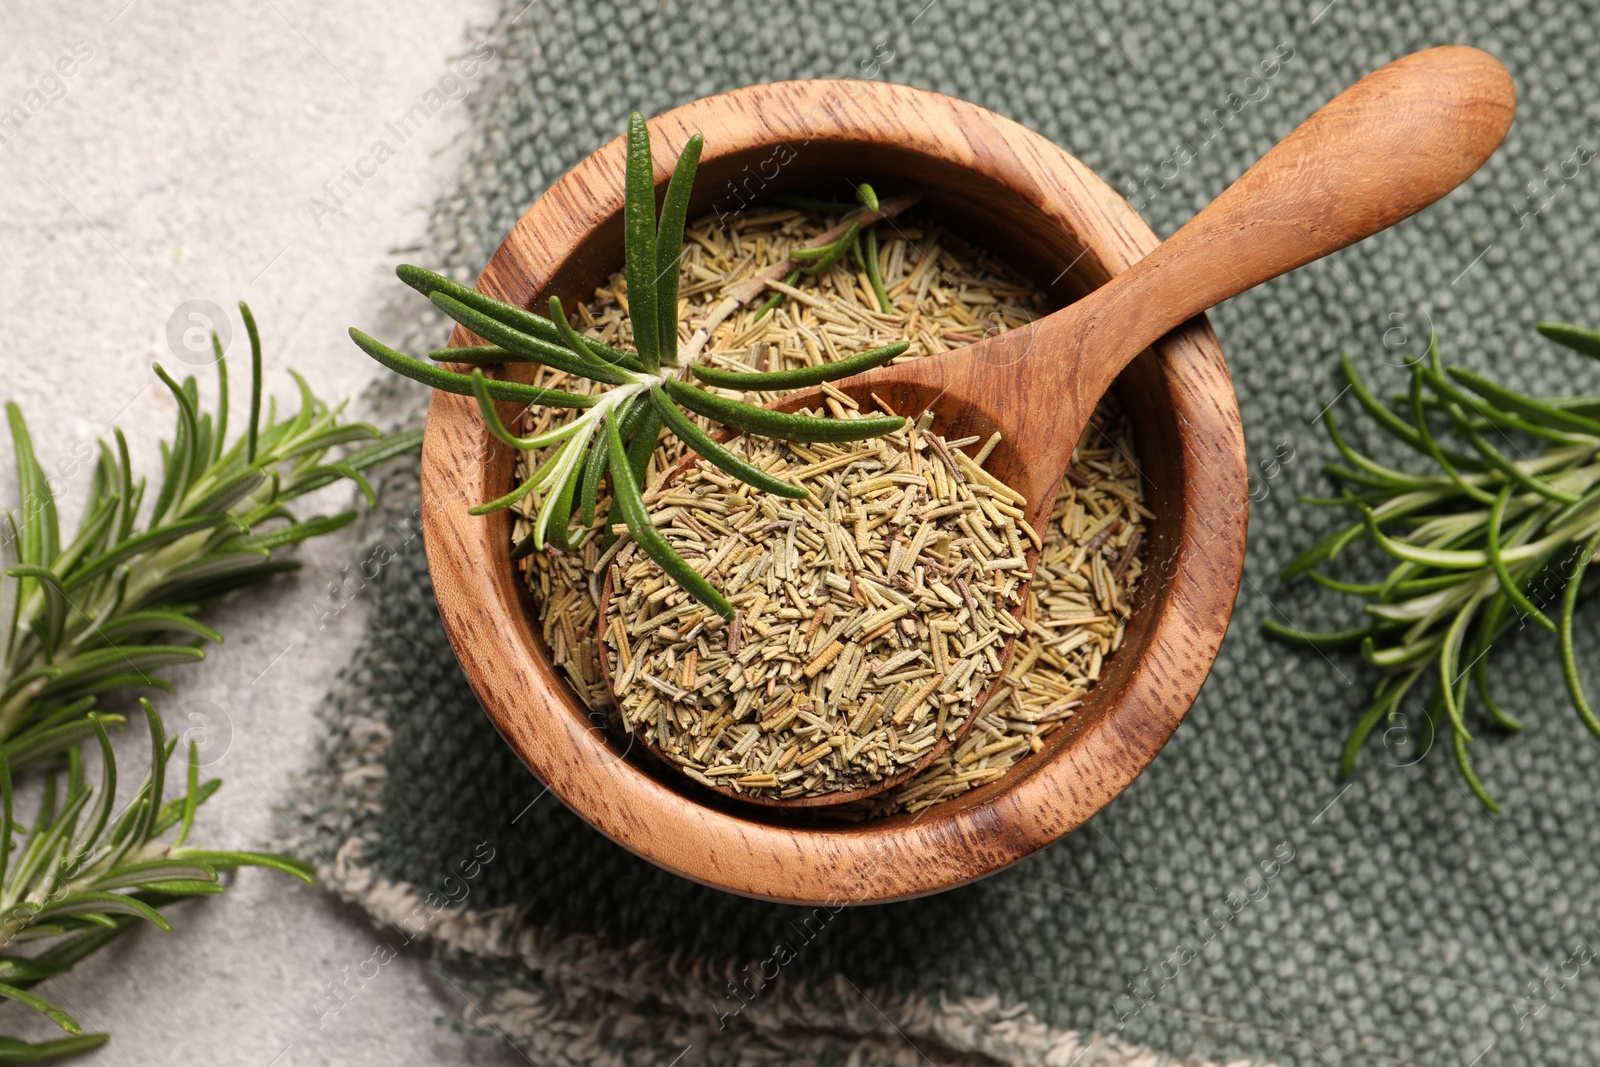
pixel 1402 924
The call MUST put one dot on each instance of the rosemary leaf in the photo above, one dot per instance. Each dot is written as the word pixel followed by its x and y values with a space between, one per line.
pixel 643 442
pixel 583 347
pixel 579 361
pixel 820 259
pixel 1569 659
pixel 799 377
pixel 491 419
pixel 252 433
pixel 1584 342
pixel 480 355
pixel 1313 639
pixel 779 425
pixel 1511 587
pixel 427 283
pixel 594 470
pixel 669 248
pixel 716 454
pixel 1540 412
pixel 639 239
pixel 869 253
pixel 447 381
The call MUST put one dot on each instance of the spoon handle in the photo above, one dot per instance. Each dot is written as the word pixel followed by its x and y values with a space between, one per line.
pixel 1382 150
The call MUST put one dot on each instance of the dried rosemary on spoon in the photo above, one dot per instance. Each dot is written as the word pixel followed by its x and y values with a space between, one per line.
pixel 1497 532
pixel 871 614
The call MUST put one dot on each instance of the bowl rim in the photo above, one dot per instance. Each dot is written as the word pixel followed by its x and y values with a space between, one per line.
pixel 483 605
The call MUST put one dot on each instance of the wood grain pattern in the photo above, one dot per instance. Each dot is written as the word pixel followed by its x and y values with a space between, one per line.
pixel 1009 190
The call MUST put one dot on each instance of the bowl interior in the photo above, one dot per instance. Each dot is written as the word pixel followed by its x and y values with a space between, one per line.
pixel 990 216
pixel 1062 228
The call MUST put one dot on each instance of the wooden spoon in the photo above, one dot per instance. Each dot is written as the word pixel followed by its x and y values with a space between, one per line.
pixel 1382 150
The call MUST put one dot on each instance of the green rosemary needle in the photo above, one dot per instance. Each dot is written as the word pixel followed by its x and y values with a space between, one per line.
pixel 799 377
pixel 861 241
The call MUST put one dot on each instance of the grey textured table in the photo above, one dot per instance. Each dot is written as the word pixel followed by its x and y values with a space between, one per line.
pixel 179 161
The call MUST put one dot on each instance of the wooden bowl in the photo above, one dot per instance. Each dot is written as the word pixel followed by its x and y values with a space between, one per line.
pixel 1006 189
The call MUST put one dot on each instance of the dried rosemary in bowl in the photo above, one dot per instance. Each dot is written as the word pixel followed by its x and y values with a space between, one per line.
pixel 942 294
pixel 871 613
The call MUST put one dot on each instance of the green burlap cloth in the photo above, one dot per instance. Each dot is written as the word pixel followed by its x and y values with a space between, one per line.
pixel 1401 923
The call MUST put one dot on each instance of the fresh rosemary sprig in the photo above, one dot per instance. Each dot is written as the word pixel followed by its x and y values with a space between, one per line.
pixel 620 424
pixel 860 241
pixel 98 615
pixel 84 874
pixel 115 604
pixel 1501 527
